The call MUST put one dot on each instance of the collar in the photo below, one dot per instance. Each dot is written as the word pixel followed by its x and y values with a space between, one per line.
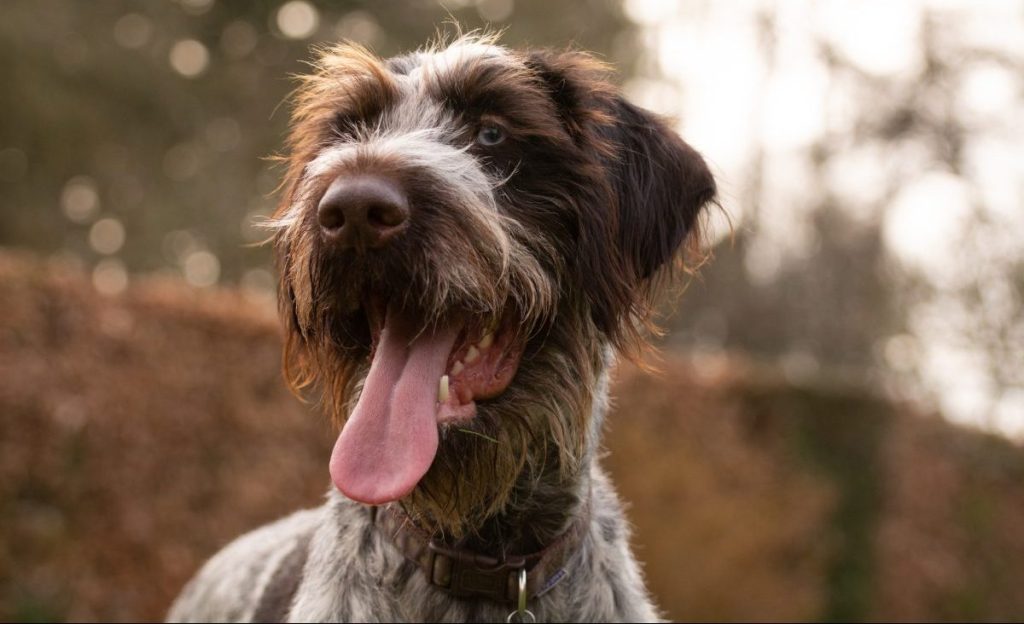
pixel 468 574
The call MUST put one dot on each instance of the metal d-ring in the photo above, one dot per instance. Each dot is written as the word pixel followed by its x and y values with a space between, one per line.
pixel 522 614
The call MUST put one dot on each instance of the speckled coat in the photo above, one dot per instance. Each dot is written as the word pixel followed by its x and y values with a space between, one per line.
pixel 331 564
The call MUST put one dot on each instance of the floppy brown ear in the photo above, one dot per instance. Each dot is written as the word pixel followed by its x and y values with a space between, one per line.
pixel 656 187
pixel 661 183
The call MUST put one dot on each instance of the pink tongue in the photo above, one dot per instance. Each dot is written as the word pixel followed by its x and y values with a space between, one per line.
pixel 390 439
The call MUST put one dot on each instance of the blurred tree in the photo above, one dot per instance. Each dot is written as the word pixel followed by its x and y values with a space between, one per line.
pixel 820 302
pixel 906 259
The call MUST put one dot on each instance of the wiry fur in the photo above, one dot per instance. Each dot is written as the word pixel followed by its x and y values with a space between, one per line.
pixel 567 230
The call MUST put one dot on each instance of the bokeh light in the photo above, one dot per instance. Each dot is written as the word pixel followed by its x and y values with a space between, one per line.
pixel 933 208
pixel 238 39
pixel 297 19
pixel 106 236
pixel 201 269
pixel 182 161
pixel 178 244
pixel 133 30
pixel 358 26
pixel 196 7
pixel 495 10
pixel 80 200
pixel 189 58
pixel 110 277
pixel 260 281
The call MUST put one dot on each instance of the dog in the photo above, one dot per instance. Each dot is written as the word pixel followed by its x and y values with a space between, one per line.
pixel 468 237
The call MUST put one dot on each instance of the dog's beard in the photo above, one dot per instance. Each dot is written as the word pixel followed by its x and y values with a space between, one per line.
pixel 529 439
pixel 532 435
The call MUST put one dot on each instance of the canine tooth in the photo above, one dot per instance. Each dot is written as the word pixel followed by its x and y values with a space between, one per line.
pixel 457 368
pixel 442 390
pixel 487 340
pixel 472 354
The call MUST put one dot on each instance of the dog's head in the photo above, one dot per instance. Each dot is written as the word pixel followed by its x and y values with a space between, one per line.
pixel 464 232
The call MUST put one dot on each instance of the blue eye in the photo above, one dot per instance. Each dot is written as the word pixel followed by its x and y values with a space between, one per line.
pixel 490 135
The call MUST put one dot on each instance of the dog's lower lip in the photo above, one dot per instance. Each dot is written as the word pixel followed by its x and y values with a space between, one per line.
pixel 448 415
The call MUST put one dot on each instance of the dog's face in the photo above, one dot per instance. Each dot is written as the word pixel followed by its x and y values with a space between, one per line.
pixel 463 234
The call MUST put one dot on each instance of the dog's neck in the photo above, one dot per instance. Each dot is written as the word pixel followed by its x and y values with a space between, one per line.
pixel 495 574
pixel 544 509
pixel 548 511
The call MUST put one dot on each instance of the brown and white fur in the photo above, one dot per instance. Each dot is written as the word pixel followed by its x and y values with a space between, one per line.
pixel 541 212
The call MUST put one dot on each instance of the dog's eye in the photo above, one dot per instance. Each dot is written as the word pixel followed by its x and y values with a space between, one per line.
pixel 490 135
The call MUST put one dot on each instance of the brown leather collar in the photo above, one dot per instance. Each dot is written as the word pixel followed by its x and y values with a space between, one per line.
pixel 465 573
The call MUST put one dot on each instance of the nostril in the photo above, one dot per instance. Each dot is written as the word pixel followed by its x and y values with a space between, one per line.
pixel 331 216
pixel 384 216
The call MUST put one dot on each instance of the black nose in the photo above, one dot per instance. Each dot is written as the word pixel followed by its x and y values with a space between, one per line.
pixel 362 211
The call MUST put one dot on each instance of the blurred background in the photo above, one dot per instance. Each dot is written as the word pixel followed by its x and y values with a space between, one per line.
pixel 836 431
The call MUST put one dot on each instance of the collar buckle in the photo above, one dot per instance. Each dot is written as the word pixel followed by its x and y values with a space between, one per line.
pixel 466 574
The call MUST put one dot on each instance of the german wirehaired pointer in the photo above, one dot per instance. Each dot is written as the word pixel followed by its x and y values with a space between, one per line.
pixel 467 237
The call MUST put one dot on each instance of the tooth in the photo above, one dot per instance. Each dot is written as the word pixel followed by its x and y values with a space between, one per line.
pixel 442 390
pixel 472 354
pixel 457 368
pixel 486 341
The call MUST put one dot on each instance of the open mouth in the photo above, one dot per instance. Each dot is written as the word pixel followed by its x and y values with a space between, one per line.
pixel 420 378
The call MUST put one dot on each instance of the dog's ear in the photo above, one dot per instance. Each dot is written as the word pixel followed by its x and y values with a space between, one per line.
pixel 661 184
pixel 657 186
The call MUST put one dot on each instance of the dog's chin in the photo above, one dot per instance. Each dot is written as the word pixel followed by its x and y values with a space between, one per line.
pixel 478 465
